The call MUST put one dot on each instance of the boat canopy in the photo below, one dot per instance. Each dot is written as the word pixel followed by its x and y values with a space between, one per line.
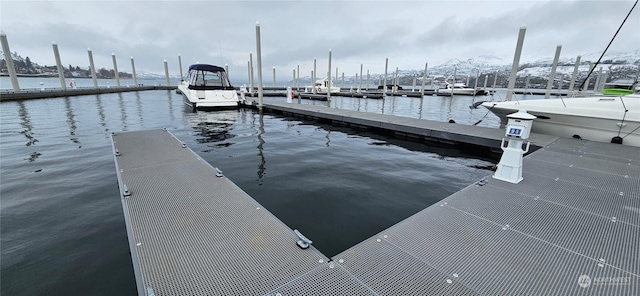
pixel 208 77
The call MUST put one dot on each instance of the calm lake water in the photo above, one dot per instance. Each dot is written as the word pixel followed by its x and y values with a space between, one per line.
pixel 62 225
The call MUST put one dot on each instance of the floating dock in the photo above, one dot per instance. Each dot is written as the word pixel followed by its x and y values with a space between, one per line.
pixel 27 94
pixel 570 227
pixel 419 129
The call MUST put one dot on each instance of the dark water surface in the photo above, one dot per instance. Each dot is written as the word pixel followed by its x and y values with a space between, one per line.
pixel 62 226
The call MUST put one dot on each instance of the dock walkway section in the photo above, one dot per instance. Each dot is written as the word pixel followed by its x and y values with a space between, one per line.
pixel 570 227
pixel 429 130
pixel 194 233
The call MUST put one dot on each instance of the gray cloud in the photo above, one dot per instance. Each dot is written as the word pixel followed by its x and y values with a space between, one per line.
pixel 409 33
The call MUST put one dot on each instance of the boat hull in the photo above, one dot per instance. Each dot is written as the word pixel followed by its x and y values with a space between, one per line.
pixel 209 98
pixel 595 119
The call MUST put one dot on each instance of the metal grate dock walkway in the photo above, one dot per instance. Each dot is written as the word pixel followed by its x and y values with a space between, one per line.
pixel 571 227
pixel 193 233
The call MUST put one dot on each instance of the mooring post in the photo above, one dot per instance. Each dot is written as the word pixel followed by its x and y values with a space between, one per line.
pixel 313 77
pixel 298 77
pixel 251 72
pixel 274 76
pixel 552 75
pixel 56 54
pixel 384 87
pixel 574 75
pixel 424 78
pixel 180 67
pixel 342 81
pixel 329 74
pixel 259 58
pixel 166 72
pixel 249 75
pixel 115 69
pixel 226 69
pixel 596 87
pixel 588 78
pixel 360 84
pixel 293 79
pixel 516 62
pixel 133 70
pixel 94 77
pixel 368 77
pixel 413 88
pixel 10 66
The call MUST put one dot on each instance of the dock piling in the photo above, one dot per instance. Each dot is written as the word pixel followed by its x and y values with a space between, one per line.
pixel 259 58
pixel 166 72
pixel 329 76
pixel 115 69
pixel 133 70
pixel 180 67
pixel 10 66
pixel 424 78
pixel 56 53
pixel 574 75
pixel 552 75
pixel 516 62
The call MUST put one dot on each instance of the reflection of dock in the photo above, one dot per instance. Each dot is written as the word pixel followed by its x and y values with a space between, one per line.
pixel 192 232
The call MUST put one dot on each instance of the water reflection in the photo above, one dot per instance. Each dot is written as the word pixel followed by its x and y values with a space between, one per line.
pixel 139 109
pixel 262 167
pixel 212 126
pixel 100 109
pixel 25 122
pixel 123 112
pixel 71 121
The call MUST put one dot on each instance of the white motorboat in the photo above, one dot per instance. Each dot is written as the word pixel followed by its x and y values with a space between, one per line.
pixel 457 89
pixel 613 116
pixel 321 86
pixel 207 86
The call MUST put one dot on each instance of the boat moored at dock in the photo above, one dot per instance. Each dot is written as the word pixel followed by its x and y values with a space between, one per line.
pixel 207 86
pixel 609 117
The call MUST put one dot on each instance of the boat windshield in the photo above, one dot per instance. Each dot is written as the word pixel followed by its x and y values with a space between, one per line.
pixel 207 80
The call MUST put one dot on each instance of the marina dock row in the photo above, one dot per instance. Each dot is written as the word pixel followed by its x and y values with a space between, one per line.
pixel 569 228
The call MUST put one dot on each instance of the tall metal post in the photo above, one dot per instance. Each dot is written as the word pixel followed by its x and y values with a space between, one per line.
pixel 574 75
pixel 226 69
pixel 516 62
pixel 329 74
pixel 115 69
pixel 56 53
pixel 360 84
pixel 259 57
pixel 368 77
pixel 313 78
pixel 298 77
pixel 386 66
pixel 94 77
pixel 133 69
pixel 166 72
pixel 10 66
pixel 552 75
pixel 180 66
pixel 274 76
pixel 424 78
pixel 251 72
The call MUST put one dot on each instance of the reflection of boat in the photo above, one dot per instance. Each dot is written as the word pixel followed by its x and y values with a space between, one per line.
pixel 321 86
pixel 613 116
pixel 207 86
pixel 457 89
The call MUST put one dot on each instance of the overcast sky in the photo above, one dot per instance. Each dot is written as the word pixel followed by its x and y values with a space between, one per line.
pixel 409 33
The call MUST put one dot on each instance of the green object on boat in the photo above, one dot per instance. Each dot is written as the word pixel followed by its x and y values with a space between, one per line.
pixel 616 91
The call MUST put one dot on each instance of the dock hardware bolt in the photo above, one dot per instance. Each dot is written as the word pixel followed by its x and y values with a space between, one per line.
pixel 219 173
pixel 184 145
pixel 304 242
pixel 117 152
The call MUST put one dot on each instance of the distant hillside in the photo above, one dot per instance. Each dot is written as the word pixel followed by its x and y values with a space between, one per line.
pixel 25 67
